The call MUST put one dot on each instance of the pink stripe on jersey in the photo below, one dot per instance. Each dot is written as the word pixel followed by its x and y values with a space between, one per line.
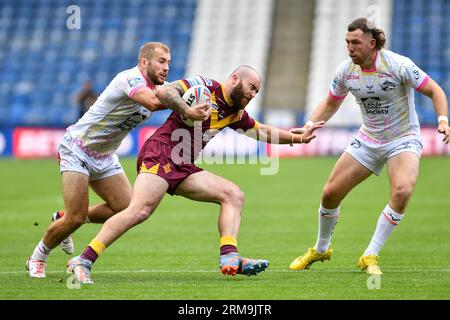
pixel 424 82
pixel 335 97
pixel 134 91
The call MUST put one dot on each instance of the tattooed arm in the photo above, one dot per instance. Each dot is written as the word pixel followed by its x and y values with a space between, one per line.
pixel 171 96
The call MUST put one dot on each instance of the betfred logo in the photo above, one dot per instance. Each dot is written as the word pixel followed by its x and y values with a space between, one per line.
pixel 384 75
pixel 36 142
pixel 352 77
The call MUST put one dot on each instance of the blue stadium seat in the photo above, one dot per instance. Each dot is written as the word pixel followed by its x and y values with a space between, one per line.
pixel 412 24
pixel 61 60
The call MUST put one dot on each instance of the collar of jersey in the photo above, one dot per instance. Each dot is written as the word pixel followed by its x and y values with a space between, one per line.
pixel 229 103
pixel 374 67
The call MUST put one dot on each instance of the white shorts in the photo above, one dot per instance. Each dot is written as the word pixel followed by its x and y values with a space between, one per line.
pixel 373 156
pixel 71 158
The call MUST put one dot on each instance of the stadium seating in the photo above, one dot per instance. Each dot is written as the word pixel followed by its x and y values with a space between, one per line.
pixel 44 64
pixel 227 34
pixel 421 30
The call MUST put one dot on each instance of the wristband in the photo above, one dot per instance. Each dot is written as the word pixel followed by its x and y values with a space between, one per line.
pixel 442 118
pixel 292 140
pixel 309 123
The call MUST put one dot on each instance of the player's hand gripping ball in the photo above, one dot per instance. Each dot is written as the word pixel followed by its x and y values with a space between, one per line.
pixel 194 96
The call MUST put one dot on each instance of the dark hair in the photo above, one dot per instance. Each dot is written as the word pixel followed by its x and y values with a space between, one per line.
pixel 368 28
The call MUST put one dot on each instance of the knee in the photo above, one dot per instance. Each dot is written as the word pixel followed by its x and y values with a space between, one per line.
pixel 119 206
pixel 330 194
pixel 233 194
pixel 402 193
pixel 140 214
pixel 74 221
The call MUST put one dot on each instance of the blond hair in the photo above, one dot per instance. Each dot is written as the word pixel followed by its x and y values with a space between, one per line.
pixel 148 48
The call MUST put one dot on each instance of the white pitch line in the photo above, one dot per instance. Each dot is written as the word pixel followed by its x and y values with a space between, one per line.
pixel 216 271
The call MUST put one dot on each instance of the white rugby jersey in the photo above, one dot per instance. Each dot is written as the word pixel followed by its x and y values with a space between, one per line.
pixel 108 121
pixel 385 94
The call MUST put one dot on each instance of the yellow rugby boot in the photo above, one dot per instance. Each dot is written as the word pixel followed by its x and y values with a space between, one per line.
pixel 305 261
pixel 370 264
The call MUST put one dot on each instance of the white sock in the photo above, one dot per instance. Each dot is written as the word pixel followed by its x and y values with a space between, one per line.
pixel 41 251
pixel 327 220
pixel 387 221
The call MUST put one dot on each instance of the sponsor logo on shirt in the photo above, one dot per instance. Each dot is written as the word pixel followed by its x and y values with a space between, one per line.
pixel 416 72
pixel 334 84
pixel 373 105
pixel 370 89
pixel 131 122
pixel 387 85
pixel 195 81
pixel 384 75
pixel 133 82
pixel 352 77
pixel 355 143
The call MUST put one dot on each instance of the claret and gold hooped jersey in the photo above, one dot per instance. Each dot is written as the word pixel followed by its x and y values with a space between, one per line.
pixel 385 95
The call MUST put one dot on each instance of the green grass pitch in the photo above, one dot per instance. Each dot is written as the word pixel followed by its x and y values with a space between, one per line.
pixel 174 254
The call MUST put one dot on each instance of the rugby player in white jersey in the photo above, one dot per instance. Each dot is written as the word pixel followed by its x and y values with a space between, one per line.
pixel 383 84
pixel 87 150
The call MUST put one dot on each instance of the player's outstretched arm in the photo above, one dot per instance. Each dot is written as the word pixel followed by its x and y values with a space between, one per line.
pixel 275 135
pixel 171 96
pixel 323 112
pixel 437 95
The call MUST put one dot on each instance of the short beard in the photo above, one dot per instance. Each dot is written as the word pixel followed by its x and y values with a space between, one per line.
pixel 237 95
pixel 153 77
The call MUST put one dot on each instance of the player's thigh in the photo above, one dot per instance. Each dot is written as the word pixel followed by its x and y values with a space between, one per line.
pixel 148 191
pixel 75 188
pixel 115 190
pixel 346 174
pixel 208 187
pixel 403 170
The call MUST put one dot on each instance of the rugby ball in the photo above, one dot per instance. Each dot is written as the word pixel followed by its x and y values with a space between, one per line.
pixel 194 96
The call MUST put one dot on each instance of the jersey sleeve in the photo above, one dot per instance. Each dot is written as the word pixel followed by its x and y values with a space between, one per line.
pixel 412 75
pixel 245 123
pixel 198 80
pixel 131 83
pixel 338 90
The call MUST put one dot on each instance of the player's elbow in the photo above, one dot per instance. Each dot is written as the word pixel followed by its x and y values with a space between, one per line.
pixel 75 221
pixel 147 99
pixel 160 92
